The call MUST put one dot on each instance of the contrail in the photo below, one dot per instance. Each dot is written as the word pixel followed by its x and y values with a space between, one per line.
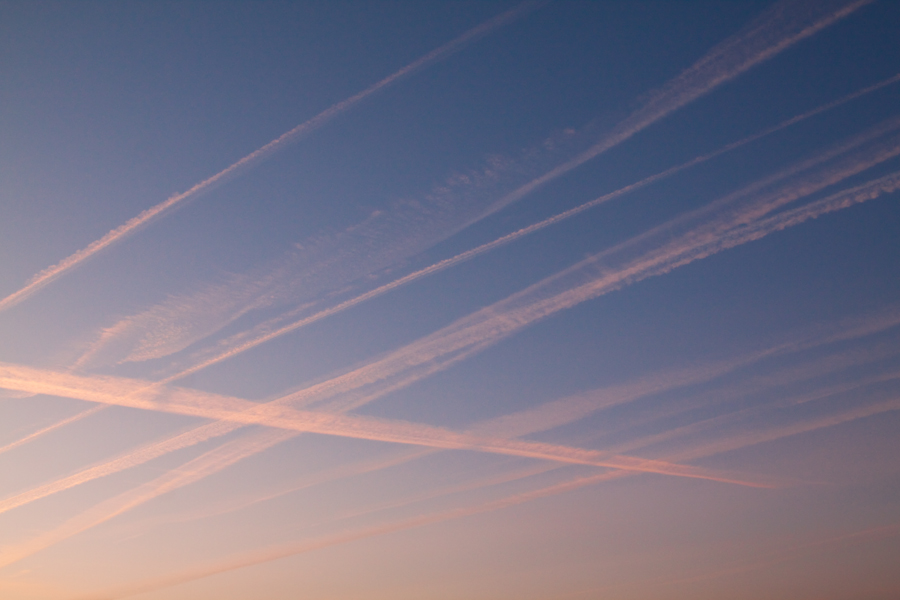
pixel 45 430
pixel 542 418
pixel 289 421
pixel 776 29
pixel 597 275
pixel 206 432
pixel 472 334
pixel 646 266
pixel 135 394
pixel 47 275
pixel 772 32
pixel 506 239
pixel 282 551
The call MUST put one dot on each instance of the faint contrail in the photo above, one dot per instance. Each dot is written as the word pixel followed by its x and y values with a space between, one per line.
pixel 55 426
pixel 506 239
pixel 776 29
pixel 254 158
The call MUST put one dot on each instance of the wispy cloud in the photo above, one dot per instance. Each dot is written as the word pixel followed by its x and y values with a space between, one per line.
pixel 47 275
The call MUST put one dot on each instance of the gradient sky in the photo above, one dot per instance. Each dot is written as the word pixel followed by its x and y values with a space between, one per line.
pixel 431 300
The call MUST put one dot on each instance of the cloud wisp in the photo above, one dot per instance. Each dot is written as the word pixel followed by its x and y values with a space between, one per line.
pixel 254 158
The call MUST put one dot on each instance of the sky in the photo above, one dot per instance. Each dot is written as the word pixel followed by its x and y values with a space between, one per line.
pixel 431 300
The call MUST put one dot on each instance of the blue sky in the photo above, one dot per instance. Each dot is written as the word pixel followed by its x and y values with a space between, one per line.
pixel 687 388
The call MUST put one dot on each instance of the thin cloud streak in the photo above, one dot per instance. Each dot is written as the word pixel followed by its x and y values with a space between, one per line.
pixel 254 158
pixel 525 231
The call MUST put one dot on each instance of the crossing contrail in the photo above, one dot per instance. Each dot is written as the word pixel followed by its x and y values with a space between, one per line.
pixel 281 551
pixel 473 333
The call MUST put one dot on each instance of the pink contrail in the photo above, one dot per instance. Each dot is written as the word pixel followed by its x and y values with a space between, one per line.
pixel 130 393
pixel 49 274
pixel 475 334
pixel 502 241
pixel 688 248
pixel 282 551
pixel 136 394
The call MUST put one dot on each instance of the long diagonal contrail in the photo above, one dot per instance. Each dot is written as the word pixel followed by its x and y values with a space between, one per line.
pixel 203 433
pixel 777 29
pixel 49 274
pixel 506 239
pixel 190 402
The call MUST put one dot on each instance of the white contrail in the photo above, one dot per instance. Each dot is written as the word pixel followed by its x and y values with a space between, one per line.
pixel 187 402
pixel 547 416
pixel 136 394
pixel 254 158
pixel 506 239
